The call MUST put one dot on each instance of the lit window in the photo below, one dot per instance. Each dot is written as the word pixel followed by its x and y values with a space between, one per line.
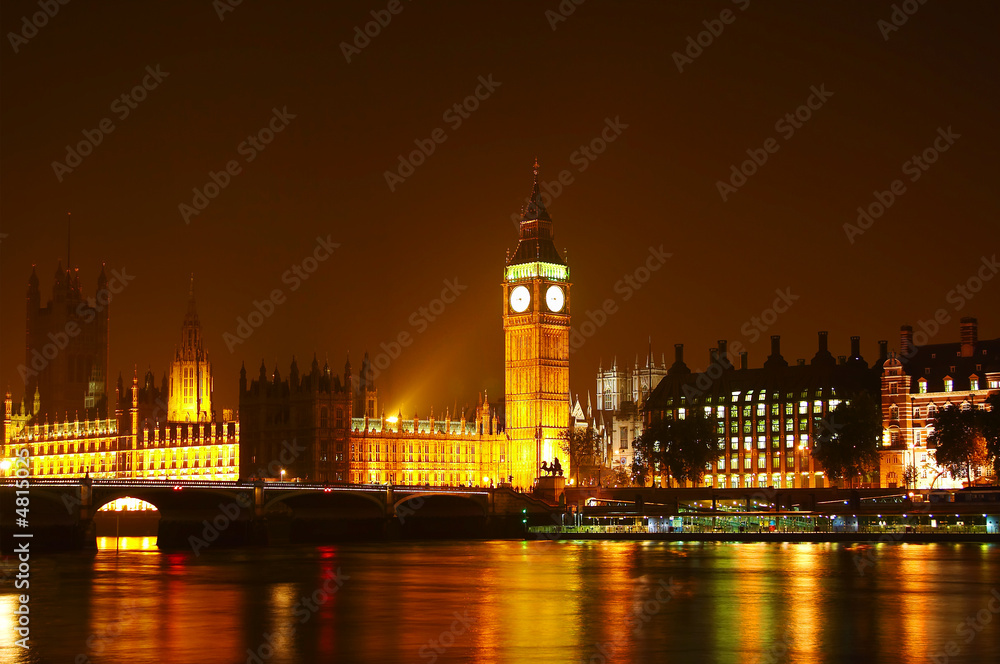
pixel 948 384
pixel 974 384
pixel 803 407
pixel 761 442
pixel 922 386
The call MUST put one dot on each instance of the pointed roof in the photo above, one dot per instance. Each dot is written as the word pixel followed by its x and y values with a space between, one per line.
pixel 535 209
pixel 535 232
pixel 191 317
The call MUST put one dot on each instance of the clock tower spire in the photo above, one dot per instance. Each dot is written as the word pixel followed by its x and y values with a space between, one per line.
pixel 536 322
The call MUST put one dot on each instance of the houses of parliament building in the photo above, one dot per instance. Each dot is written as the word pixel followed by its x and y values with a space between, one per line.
pixel 314 425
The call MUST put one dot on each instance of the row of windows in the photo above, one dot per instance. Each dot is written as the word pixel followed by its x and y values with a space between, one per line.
pixel 760 395
pixel 419 478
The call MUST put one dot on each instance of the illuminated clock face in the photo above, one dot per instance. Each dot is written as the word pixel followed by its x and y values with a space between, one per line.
pixel 520 298
pixel 555 299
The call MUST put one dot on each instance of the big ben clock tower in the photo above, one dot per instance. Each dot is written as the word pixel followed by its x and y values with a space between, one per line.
pixel 536 319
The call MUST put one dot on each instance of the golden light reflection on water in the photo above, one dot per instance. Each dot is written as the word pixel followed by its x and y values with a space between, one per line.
pixel 126 543
pixel 803 598
pixel 526 602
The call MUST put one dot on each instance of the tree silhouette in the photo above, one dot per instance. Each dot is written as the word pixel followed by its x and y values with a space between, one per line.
pixel 583 447
pixel 847 443
pixel 958 437
pixel 683 448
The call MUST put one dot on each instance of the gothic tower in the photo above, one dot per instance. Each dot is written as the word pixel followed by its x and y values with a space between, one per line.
pixel 190 373
pixel 536 324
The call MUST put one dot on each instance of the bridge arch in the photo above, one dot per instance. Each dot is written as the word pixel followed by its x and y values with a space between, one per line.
pixel 442 504
pixel 323 501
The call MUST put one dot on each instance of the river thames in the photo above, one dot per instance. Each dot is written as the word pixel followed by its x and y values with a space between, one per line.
pixel 512 601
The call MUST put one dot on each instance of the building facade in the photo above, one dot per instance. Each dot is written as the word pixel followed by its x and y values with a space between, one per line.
pixel 917 383
pixel 766 418
pixel 536 308
pixel 621 396
pixel 140 439
pixel 298 427
pixel 66 347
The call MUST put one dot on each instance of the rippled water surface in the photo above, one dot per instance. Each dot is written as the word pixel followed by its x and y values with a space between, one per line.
pixel 514 601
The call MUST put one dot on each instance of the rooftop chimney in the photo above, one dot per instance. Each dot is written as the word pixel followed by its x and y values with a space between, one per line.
pixel 970 335
pixel 822 342
pixel 841 359
pixel 883 350
pixel 906 341
pixel 855 347
pixel 801 362
pixel 678 353
pixel 775 359
pixel 743 359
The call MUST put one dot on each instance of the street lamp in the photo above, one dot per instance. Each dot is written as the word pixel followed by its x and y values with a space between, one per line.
pixel 282 474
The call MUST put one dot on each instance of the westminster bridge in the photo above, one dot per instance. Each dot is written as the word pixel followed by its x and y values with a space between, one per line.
pixel 60 514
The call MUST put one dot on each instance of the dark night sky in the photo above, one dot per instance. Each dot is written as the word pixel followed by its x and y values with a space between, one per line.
pixel 654 185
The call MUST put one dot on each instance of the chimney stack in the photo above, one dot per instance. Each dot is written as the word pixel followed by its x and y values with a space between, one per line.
pixel 906 341
pixel 883 350
pixel 970 335
pixel 841 359
pixel 679 353
pixel 855 347
pixel 713 356
pixel 801 362
pixel 775 345
pixel 743 359
pixel 822 343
